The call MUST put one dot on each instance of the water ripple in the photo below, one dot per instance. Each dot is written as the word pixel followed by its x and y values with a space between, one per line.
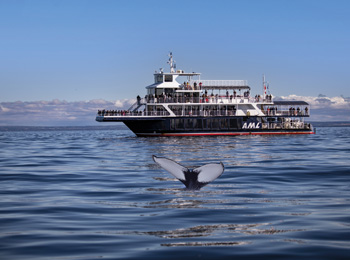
pixel 96 194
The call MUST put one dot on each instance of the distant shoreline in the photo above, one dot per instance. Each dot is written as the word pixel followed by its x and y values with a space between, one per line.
pixel 331 124
pixel 62 128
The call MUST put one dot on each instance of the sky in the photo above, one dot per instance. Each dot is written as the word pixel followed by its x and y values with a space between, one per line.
pixel 90 53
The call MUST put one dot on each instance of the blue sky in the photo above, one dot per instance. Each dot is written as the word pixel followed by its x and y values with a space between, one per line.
pixel 83 50
pixel 108 50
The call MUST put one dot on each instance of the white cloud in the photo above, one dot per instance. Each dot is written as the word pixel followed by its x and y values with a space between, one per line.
pixel 56 112
pixel 124 103
pixel 4 109
pixel 325 108
pixel 321 101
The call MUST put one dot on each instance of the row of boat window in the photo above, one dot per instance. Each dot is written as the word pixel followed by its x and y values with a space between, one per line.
pixel 213 111
pixel 205 123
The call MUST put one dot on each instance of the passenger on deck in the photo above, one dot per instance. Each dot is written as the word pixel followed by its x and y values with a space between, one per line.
pixel 138 100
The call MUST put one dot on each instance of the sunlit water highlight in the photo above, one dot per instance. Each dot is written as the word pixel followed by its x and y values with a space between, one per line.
pixel 97 194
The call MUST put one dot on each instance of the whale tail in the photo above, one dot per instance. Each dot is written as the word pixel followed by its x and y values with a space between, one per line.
pixel 193 179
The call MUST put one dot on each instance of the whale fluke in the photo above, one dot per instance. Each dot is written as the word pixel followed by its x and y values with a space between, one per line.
pixel 194 179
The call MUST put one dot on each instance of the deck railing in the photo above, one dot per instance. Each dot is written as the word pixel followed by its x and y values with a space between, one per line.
pixel 126 113
pixel 289 112
pixel 222 83
pixel 194 112
pixel 208 99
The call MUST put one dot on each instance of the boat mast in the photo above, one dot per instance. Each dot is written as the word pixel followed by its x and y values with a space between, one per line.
pixel 264 87
pixel 171 63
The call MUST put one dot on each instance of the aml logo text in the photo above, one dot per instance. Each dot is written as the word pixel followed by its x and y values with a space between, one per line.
pixel 251 125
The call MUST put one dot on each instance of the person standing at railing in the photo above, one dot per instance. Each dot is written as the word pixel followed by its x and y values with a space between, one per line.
pixel 138 100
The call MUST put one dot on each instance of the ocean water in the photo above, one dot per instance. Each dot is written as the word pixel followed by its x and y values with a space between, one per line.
pixel 90 193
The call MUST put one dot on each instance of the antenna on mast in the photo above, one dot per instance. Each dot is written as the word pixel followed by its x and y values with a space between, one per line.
pixel 171 62
pixel 264 87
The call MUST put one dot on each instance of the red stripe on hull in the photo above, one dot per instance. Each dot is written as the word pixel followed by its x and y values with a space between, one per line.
pixel 224 134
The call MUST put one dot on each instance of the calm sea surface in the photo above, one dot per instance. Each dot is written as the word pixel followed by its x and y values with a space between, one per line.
pixel 89 193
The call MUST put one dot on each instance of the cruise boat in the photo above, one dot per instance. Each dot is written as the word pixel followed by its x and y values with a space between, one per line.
pixel 195 107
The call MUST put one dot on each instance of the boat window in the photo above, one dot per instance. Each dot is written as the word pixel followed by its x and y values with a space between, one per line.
pixel 197 123
pixel 188 123
pixel 215 123
pixel 172 124
pixel 168 78
pixel 224 124
pixel 206 123
pixel 208 126
pixel 158 78
pixel 169 90
pixel 179 123
pixel 233 123
pixel 157 125
pixel 239 124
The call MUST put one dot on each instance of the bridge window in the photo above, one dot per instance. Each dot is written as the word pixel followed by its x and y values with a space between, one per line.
pixel 158 78
pixel 168 78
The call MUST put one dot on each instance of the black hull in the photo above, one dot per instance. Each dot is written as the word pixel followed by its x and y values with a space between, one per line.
pixel 205 126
